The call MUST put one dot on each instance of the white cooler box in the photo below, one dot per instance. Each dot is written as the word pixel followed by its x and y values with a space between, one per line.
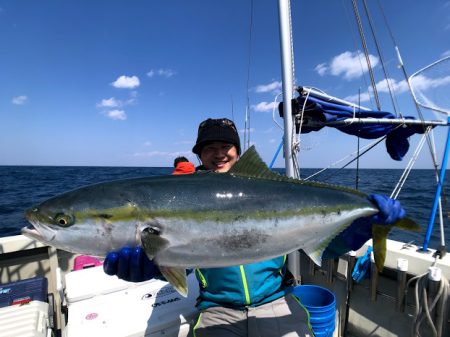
pixel 25 320
pixel 102 305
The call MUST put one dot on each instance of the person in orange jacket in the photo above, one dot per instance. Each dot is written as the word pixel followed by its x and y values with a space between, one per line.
pixel 183 166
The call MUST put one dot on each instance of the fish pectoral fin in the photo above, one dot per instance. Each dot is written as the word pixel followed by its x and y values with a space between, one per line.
pixel 315 255
pixel 177 278
pixel 152 241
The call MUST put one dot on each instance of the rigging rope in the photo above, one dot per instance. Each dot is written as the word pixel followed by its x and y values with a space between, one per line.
pixel 299 120
pixel 419 112
pixel 441 218
pixel 380 55
pixel 247 110
pixel 366 149
pixel 358 145
pixel 366 53
pixel 408 167
pixel 349 22
pixel 418 109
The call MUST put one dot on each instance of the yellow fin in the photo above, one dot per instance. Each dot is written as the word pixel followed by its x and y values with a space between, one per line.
pixel 379 236
pixel 177 278
pixel 408 224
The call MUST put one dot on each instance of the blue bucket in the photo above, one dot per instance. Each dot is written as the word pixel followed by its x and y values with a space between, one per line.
pixel 321 304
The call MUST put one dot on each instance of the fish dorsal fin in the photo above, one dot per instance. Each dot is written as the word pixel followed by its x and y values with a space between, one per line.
pixel 251 165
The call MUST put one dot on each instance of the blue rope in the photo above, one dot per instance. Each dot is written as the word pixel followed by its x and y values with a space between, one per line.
pixel 276 154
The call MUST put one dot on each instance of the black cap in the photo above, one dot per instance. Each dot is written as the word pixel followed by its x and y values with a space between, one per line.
pixel 216 130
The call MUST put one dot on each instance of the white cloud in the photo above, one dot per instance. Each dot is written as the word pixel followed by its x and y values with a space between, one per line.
pixel 445 53
pixel 126 82
pixel 112 102
pixel 362 97
pixel 265 106
pixel 421 82
pixel 20 100
pixel 382 87
pixel 397 87
pixel 321 69
pixel 349 65
pixel 109 103
pixel 116 115
pixel 167 73
pixel 271 87
pixel 432 92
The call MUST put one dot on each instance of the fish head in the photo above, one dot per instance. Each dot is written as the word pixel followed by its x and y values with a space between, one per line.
pixel 45 224
pixel 79 223
pixel 51 224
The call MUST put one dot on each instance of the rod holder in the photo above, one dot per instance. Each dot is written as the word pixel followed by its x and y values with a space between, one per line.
pixel 402 270
pixel 434 283
pixel 351 260
pixel 373 279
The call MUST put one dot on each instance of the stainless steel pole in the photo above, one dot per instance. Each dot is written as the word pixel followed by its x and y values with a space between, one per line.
pixel 284 11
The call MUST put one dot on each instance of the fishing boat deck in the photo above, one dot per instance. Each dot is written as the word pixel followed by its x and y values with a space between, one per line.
pixel 381 315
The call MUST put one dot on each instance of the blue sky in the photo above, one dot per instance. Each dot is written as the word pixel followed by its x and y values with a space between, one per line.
pixel 126 83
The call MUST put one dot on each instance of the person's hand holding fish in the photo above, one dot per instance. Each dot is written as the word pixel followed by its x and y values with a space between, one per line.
pixel 390 210
pixel 130 264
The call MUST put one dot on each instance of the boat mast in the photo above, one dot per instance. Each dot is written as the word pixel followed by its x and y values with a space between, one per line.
pixel 284 11
pixel 287 79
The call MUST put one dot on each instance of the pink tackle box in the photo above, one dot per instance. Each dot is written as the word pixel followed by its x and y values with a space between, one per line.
pixel 86 261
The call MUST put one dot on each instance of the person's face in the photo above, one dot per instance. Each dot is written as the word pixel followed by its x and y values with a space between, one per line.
pixel 219 156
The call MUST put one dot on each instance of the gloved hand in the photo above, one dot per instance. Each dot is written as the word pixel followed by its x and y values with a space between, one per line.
pixel 360 230
pixel 130 264
pixel 390 210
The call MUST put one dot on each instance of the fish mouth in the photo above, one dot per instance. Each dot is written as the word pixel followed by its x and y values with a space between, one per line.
pixel 33 232
pixel 37 230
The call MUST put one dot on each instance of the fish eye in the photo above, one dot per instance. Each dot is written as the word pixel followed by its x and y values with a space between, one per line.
pixel 63 220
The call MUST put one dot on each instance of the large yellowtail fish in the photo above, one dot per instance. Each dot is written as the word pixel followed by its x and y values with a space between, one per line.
pixel 202 220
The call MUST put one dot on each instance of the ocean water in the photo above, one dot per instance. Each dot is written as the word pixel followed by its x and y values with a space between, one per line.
pixel 24 186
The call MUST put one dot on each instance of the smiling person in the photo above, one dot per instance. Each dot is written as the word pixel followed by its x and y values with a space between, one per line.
pixel 218 145
pixel 245 300
pixel 233 300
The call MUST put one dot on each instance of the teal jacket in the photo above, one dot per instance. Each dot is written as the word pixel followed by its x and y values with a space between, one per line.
pixel 242 286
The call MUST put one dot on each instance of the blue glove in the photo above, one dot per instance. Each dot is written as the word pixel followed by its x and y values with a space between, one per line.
pixel 360 230
pixel 362 266
pixel 390 210
pixel 130 264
